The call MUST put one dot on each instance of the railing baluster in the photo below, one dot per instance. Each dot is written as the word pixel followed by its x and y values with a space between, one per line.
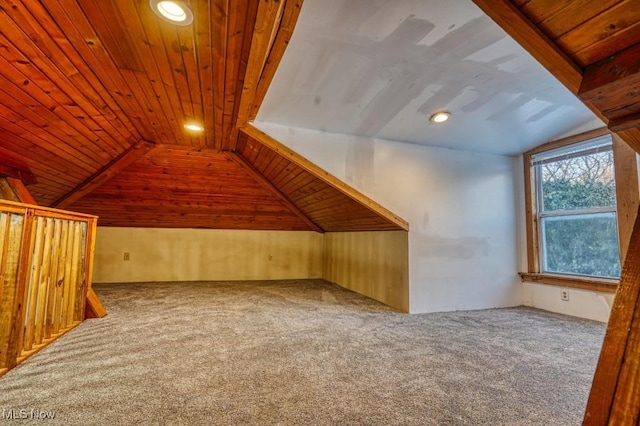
pixel 68 275
pixel 46 260
pixel 31 299
pixel 80 282
pixel 43 284
pixel 74 273
pixel 16 336
pixel 60 279
pixel 6 287
pixel 53 277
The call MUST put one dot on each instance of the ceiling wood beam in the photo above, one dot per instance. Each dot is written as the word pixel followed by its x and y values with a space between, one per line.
pixel 106 173
pixel 264 182
pixel 279 45
pixel 324 176
pixel 618 72
pixel 16 169
pixel 21 190
pixel 267 24
pixel 529 36
pixel 263 57
pixel 612 88
pixel 625 123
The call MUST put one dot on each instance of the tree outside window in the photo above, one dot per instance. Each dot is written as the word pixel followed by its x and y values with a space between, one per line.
pixel 576 198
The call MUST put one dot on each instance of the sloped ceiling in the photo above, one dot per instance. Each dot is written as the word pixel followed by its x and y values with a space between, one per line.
pixel 94 95
pixel 164 189
pixel 591 47
pixel 84 80
pixel 378 68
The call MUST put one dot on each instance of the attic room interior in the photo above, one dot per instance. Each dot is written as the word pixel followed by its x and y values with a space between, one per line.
pixel 229 212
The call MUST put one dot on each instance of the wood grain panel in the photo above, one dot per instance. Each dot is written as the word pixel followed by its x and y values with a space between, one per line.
pixel 587 31
pixel 188 187
pixel 613 86
pixel 375 264
pixel 331 207
pixel 627 191
pixel 557 18
pixel 103 175
pixel 606 32
pixel 84 81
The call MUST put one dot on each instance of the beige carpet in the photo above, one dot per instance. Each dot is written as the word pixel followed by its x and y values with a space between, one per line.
pixel 304 352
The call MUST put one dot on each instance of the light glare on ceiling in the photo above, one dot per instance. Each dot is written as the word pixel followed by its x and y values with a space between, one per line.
pixel 175 12
pixel 194 127
pixel 171 10
pixel 440 117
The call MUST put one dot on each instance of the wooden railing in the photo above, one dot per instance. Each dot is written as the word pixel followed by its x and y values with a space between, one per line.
pixel 46 261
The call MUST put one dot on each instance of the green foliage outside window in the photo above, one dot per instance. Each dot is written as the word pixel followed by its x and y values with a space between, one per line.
pixel 582 245
pixel 585 241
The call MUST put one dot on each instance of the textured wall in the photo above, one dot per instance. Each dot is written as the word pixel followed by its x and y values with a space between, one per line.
pixel 205 254
pixel 461 207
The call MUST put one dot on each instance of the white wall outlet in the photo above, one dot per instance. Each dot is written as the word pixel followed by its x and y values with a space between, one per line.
pixel 564 295
pixel 126 256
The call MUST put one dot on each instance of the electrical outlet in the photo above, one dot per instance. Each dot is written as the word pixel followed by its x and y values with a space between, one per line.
pixel 564 295
pixel 126 256
pixel 270 258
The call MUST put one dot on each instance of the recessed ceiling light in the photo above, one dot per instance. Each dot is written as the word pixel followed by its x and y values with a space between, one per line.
pixel 175 12
pixel 440 117
pixel 193 127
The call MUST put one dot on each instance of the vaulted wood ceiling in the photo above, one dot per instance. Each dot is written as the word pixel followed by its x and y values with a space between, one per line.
pixel 94 96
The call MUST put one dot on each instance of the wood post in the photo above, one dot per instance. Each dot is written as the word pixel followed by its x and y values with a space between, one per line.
pixel 627 191
pixel 615 393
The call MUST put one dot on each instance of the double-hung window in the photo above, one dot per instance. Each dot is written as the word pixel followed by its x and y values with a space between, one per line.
pixel 575 214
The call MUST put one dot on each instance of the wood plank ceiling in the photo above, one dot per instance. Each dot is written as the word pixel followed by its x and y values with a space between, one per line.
pixel 593 47
pixel 94 96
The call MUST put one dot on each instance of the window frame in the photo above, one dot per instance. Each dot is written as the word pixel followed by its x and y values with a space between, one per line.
pixel 626 176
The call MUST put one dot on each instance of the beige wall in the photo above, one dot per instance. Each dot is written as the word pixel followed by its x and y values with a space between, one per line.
pixel 159 254
pixel 374 264
pixel 371 263
pixel 588 304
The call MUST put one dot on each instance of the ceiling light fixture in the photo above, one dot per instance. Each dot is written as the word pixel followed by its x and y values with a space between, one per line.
pixel 194 127
pixel 440 117
pixel 174 12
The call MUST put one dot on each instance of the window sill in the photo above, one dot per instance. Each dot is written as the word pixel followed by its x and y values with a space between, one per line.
pixel 593 284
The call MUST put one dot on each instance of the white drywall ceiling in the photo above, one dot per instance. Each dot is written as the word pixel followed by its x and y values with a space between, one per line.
pixel 380 68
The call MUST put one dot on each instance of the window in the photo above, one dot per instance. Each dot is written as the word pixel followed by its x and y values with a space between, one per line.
pixel 576 214
pixel 582 196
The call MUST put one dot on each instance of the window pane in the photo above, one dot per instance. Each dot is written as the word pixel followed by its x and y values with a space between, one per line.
pixel 578 183
pixel 581 245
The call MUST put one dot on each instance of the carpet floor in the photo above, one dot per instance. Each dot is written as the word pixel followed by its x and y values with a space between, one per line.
pixel 304 352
